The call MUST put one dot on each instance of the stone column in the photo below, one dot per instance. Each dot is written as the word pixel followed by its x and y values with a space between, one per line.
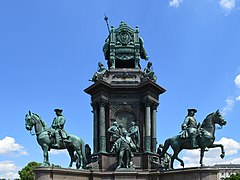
pixel 102 127
pixel 147 127
pixel 154 127
pixel 95 127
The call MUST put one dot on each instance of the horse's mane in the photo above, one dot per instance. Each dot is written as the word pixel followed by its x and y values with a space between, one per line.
pixel 41 120
pixel 207 117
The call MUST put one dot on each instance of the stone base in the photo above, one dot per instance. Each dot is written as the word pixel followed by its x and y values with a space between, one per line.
pixel 49 173
pixel 108 162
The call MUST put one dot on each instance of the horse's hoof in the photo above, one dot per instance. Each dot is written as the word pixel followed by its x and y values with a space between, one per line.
pixel 222 156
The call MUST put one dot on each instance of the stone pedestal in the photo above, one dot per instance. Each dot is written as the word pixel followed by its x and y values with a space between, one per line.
pixel 108 162
pixel 44 173
pixel 124 95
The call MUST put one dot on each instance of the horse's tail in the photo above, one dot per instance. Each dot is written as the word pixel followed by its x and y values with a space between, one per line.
pixel 84 153
pixel 165 147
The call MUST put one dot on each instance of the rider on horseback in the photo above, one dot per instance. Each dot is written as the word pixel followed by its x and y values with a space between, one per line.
pixel 58 128
pixel 190 127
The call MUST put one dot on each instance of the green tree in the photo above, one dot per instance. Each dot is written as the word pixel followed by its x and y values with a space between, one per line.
pixel 27 172
pixel 233 177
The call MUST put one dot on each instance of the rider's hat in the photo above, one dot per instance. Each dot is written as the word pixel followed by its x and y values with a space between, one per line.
pixel 193 110
pixel 58 110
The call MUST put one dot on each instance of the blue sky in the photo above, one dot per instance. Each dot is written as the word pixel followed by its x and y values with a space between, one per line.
pixel 49 50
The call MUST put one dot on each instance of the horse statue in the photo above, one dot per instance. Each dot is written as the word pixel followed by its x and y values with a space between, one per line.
pixel 45 140
pixel 205 139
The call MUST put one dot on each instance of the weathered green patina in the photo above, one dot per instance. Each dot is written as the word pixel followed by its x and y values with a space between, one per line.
pixel 47 141
pixel 204 140
pixel 190 127
pixel 134 133
pixel 123 148
pixel 123 47
pixel 165 160
pixel 149 73
pixel 99 73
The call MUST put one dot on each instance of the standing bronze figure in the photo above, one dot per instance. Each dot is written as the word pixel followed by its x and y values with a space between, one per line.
pixel 123 148
pixel 114 133
pixel 134 133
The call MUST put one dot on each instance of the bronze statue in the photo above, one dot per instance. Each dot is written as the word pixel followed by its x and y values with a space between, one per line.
pixel 99 73
pixel 88 153
pixel 134 133
pixel 114 133
pixel 166 159
pixel 123 147
pixel 204 140
pixel 123 48
pixel 190 127
pixel 149 73
pixel 121 129
pixel 57 129
pixel 46 141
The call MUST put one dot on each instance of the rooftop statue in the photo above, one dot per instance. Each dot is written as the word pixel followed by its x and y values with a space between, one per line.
pixel 149 73
pixel 99 73
pixel 123 47
pixel 205 138
pixel 47 140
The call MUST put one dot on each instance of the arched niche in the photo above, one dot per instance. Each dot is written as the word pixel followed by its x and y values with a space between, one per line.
pixel 125 117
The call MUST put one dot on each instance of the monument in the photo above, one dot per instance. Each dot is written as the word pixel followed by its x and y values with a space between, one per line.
pixel 125 94
pixel 124 100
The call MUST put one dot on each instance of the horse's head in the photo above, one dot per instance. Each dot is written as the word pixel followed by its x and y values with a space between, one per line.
pixel 31 119
pixel 218 119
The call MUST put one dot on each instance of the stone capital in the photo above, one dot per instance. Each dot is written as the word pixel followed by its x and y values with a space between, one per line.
pixel 103 102
pixel 94 105
pixel 155 105
pixel 147 103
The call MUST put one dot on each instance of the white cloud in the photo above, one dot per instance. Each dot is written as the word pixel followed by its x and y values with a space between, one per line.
pixel 238 98
pixel 228 107
pixel 227 5
pixel 191 157
pixel 56 152
pixel 8 170
pixel 9 146
pixel 175 3
pixel 237 81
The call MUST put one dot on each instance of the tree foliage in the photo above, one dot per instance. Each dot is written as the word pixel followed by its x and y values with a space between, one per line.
pixel 27 172
pixel 233 177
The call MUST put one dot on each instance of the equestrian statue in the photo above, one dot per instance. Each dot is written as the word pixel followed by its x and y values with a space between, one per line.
pixel 56 138
pixel 194 136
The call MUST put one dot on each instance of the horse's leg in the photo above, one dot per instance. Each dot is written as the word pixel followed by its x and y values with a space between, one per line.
pixel 201 156
pixel 45 155
pixel 181 161
pixel 79 152
pixel 175 156
pixel 222 149
pixel 71 154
